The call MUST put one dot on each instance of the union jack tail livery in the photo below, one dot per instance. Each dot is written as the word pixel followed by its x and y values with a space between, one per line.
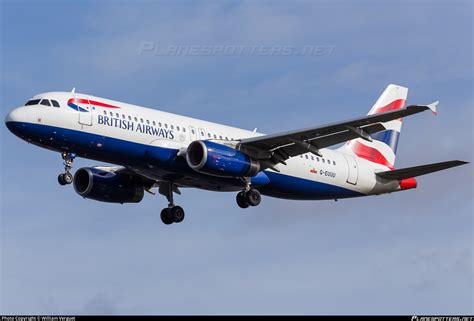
pixel 383 147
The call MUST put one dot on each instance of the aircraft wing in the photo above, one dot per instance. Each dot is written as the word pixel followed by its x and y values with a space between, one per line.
pixel 143 180
pixel 276 148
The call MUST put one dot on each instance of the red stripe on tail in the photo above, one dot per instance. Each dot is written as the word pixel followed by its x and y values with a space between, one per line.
pixel 370 154
pixel 394 105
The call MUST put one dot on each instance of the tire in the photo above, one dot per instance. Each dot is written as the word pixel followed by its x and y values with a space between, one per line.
pixel 242 200
pixel 177 214
pixel 166 217
pixel 253 197
pixel 68 178
pixel 61 180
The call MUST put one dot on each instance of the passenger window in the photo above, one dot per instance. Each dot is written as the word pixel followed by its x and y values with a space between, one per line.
pixel 111 114
pixel 215 136
pixel 45 102
pixel 192 131
pixel 117 115
pixel 317 158
pixel 123 116
pixel 333 162
pixel 159 124
pixel 177 128
pixel 32 102
pixel 208 135
pixel 306 156
pixel 220 136
pixel 184 130
pixel 154 123
pixel 141 120
pixel 148 122
pixel 105 113
pixel 166 125
pixel 129 117
pixel 171 126
pixel 312 158
pixel 323 160
pixel 55 103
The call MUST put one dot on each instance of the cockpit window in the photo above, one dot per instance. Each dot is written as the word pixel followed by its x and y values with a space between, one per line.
pixel 55 103
pixel 45 102
pixel 32 102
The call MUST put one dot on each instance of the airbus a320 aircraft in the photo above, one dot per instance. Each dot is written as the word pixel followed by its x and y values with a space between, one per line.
pixel 155 149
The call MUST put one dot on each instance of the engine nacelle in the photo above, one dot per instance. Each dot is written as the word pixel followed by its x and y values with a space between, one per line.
pixel 220 160
pixel 104 186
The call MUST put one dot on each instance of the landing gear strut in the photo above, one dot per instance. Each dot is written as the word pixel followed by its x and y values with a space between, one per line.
pixel 173 213
pixel 66 177
pixel 248 198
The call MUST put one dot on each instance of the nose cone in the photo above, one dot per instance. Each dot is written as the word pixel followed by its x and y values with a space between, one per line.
pixel 14 120
pixel 16 115
pixel 10 117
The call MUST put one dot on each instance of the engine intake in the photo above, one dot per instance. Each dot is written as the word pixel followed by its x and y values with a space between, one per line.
pixel 220 160
pixel 105 186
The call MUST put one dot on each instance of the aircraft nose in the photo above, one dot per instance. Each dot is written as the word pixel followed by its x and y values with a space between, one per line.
pixel 13 120
pixel 12 116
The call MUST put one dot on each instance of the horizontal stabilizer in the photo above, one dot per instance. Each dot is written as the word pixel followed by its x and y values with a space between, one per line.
pixel 410 172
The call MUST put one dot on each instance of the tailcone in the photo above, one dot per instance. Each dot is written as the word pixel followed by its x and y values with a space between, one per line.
pixel 408 183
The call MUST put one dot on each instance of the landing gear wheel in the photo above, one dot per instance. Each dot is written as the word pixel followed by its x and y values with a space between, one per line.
pixel 61 180
pixel 177 214
pixel 68 178
pixel 166 217
pixel 242 200
pixel 253 197
pixel 171 214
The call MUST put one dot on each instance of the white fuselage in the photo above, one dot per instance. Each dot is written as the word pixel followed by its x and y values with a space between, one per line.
pixel 115 127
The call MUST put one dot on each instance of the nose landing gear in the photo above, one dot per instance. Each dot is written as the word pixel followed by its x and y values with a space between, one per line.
pixel 66 177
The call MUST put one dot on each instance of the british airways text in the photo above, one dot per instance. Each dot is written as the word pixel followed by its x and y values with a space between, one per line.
pixel 137 127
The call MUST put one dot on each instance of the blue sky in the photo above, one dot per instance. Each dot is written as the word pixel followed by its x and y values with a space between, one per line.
pixel 405 253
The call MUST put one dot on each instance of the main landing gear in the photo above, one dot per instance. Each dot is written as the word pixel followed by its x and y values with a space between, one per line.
pixel 66 177
pixel 171 214
pixel 248 198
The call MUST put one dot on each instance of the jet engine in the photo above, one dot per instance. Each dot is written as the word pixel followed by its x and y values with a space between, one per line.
pixel 220 160
pixel 106 186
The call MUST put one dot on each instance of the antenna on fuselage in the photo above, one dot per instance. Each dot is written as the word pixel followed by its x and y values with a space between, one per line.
pixel 73 90
pixel 255 130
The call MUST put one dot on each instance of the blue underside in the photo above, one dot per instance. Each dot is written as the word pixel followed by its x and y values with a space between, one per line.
pixel 163 163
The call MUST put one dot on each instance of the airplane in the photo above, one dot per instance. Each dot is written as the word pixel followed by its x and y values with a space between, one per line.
pixel 155 149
